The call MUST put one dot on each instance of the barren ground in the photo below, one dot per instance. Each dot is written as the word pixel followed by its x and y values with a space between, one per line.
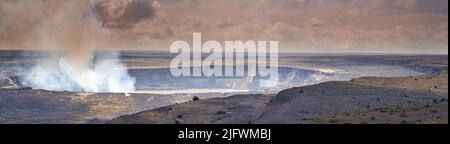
pixel 421 99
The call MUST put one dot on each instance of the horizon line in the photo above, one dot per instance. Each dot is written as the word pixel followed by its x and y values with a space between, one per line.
pixel 281 52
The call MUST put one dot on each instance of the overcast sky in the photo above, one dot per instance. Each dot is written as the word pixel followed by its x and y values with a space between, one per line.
pixel 378 26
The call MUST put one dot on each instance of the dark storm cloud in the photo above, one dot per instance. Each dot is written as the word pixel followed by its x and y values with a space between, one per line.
pixel 127 14
pixel 135 12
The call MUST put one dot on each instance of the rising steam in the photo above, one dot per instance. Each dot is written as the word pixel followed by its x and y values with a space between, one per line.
pixel 70 31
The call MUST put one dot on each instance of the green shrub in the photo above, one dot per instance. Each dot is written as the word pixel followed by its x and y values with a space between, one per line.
pixel 404 122
pixel 333 121
pixel 221 113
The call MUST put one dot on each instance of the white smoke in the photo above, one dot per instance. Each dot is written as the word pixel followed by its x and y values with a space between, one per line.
pixel 58 73
pixel 70 31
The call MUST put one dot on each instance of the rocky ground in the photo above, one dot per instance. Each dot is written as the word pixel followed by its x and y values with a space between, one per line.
pixel 19 106
pixel 409 100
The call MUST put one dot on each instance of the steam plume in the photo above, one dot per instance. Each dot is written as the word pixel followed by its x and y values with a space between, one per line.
pixel 70 30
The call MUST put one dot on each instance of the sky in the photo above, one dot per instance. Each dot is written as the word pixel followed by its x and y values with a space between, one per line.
pixel 328 26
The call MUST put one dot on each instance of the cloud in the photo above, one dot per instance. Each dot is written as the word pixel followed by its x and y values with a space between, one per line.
pixel 126 14
pixel 322 25
pixel 407 3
